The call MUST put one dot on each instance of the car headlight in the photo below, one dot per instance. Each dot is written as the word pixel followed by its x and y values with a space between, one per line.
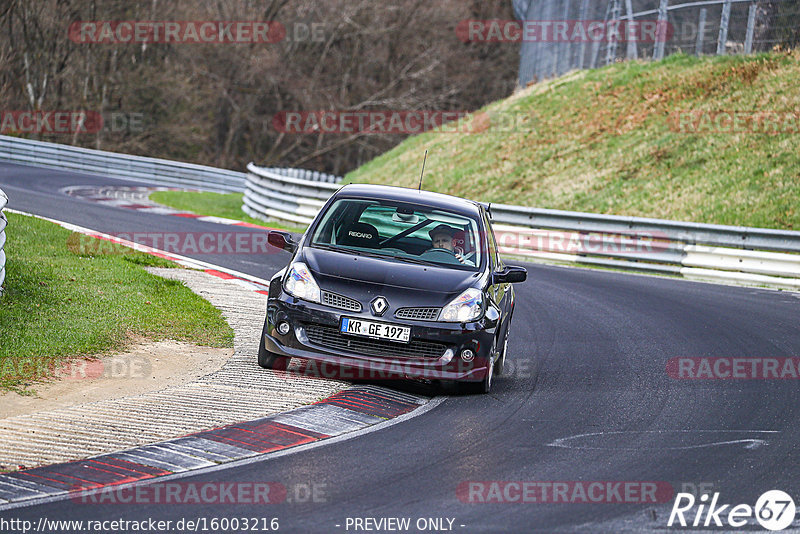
pixel 468 306
pixel 299 283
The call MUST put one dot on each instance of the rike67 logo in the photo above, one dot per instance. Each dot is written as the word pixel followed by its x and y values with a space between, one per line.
pixel 774 510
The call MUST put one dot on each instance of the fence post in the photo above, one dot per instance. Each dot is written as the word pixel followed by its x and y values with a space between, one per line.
pixel 661 32
pixel 723 27
pixel 582 52
pixel 701 31
pixel 751 28
pixel 612 29
pixel 565 49
pixel 633 52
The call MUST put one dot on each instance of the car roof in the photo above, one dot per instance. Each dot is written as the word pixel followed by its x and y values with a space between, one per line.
pixel 412 196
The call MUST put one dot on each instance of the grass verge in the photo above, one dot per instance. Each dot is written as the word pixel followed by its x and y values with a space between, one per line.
pixel 605 141
pixel 228 205
pixel 64 301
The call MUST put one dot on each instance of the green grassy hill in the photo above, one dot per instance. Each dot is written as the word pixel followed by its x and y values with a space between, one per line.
pixel 607 141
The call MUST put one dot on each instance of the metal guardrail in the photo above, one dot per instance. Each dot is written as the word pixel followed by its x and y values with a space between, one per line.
pixel 3 224
pixel 692 250
pixel 303 174
pixel 271 195
pixel 693 233
pixel 99 162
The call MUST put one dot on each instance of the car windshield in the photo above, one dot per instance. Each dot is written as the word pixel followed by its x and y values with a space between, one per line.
pixel 400 231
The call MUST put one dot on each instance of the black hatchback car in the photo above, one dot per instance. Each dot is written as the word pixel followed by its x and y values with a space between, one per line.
pixel 394 282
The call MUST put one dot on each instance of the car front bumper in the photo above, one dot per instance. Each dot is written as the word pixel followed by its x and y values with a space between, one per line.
pixel 433 352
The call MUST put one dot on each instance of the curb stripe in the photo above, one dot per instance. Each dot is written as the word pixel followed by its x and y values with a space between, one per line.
pixel 211 450
pixel 120 471
pixel 40 480
pixel 24 484
pixel 142 471
pixel 10 492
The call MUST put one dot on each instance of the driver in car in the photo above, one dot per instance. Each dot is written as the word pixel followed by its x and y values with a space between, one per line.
pixel 442 238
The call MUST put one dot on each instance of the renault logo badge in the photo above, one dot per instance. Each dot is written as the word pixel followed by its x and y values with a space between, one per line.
pixel 379 305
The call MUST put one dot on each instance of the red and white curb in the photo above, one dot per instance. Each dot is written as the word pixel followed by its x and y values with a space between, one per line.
pixel 351 410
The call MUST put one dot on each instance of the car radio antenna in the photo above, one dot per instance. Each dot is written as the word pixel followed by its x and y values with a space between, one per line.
pixel 423 170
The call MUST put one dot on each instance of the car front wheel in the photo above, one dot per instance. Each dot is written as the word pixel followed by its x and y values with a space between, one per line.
pixel 270 360
pixel 484 386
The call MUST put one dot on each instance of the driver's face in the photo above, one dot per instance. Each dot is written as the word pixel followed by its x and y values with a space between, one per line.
pixel 442 241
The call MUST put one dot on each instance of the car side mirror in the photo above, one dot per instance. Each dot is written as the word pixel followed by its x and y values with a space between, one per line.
pixel 282 240
pixel 511 274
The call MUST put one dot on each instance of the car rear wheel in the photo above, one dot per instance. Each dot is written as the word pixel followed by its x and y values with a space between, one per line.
pixel 499 365
pixel 270 360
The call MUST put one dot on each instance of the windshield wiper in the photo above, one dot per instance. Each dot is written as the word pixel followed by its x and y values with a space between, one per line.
pixel 416 260
pixel 349 250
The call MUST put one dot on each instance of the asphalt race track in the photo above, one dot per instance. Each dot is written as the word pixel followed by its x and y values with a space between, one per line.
pixel 587 398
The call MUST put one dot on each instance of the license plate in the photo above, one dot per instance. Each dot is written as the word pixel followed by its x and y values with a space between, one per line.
pixel 360 327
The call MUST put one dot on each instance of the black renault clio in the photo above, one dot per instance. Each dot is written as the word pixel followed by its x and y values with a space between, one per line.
pixel 394 282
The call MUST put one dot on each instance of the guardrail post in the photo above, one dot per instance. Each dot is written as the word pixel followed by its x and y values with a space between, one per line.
pixel 701 31
pixel 751 28
pixel 723 28
pixel 661 32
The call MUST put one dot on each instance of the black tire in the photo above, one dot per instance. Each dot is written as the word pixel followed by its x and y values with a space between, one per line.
pixel 482 387
pixel 499 365
pixel 270 360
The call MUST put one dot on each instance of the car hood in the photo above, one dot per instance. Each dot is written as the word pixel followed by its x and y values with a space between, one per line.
pixel 338 272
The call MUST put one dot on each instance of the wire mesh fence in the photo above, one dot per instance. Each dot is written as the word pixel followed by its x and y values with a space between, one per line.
pixel 561 35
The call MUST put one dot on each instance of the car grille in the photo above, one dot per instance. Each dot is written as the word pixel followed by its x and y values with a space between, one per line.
pixel 338 301
pixel 330 338
pixel 418 314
